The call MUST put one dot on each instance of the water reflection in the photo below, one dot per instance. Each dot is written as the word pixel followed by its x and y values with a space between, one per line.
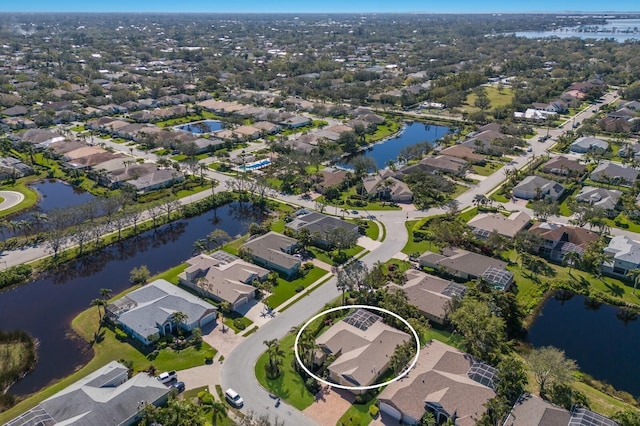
pixel 599 337
pixel 46 306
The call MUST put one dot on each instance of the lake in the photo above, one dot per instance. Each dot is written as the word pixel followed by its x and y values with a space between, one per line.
pixel 46 307
pixel 411 134
pixel 594 335
pixel 52 194
pixel 620 30
pixel 199 127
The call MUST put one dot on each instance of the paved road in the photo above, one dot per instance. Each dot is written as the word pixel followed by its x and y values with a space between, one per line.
pixel 238 368
pixel 11 199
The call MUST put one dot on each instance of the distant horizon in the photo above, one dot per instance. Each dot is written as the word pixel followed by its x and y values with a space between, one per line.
pixel 325 7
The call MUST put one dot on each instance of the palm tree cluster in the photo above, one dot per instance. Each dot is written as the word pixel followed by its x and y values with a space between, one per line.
pixel 276 354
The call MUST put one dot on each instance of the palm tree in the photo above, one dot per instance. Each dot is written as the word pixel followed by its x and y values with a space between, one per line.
pixel 218 409
pixel 98 303
pixel 635 275
pixel 200 246
pixel 179 318
pixel 105 293
pixel 272 368
pixel 572 259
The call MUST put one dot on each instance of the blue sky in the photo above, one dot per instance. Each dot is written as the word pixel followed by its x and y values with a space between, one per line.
pixel 301 6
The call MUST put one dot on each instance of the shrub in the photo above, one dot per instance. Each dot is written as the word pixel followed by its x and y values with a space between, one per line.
pixel 299 288
pixel 373 411
pixel 239 324
pixel 364 398
pixel 121 335
pixel 15 275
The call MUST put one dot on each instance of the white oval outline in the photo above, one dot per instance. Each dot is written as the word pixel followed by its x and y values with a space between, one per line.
pixel 340 308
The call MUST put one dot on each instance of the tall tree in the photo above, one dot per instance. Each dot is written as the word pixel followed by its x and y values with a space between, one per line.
pixel 549 365
pixel 483 332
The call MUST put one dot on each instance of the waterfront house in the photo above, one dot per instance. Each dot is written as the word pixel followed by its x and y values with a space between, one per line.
pixel 147 311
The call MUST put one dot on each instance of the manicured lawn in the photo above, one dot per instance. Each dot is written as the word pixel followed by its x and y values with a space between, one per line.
pixel 323 256
pixel 384 131
pixel 30 196
pixel 487 170
pixel 289 386
pixel 358 411
pixel 530 290
pixel 231 317
pixel 373 231
pixel 415 246
pixel 170 275
pixel 601 402
pixel 499 198
pixel 287 289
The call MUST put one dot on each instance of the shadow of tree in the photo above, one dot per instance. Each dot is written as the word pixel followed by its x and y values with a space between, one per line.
pixel 615 289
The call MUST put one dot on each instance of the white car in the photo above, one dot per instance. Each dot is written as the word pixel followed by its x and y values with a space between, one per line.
pixel 167 377
pixel 233 398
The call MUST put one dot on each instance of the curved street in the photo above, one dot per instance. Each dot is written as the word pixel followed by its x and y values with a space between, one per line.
pixel 10 199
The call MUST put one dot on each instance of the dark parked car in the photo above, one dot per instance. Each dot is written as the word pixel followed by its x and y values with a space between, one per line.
pixel 179 386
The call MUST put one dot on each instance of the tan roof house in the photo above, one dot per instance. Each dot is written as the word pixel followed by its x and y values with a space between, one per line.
pixel 444 381
pixel 363 346
pixel 430 294
pixel 223 277
pixel 274 251
pixel 507 226
pixel 468 265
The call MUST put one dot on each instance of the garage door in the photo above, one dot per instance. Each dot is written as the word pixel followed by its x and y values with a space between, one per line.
pixel 391 411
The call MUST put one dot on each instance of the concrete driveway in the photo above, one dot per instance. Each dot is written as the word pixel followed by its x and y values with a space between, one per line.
pixel 329 406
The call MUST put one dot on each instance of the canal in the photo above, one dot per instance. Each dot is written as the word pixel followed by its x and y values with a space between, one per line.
pixel 603 339
pixel 46 306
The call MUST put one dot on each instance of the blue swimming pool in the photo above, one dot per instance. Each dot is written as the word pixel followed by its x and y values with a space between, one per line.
pixel 256 165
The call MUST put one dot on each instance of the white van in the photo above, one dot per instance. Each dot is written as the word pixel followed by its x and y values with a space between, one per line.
pixel 167 377
pixel 233 398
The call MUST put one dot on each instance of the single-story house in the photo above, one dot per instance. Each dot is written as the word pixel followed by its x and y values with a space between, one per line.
pixel 206 145
pixel 105 397
pixel 468 265
pixel 12 168
pixel 160 178
pixel 41 138
pixel 274 251
pixel 464 152
pixel 629 151
pixel 329 177
pixel 147 311
pixel 600 197
pixel 320 225
pixel 446 382
pixel 430 294
pixel 624 256
pixel 267 127
pixel 485 223
pixel 223 277
pixel 537 187
pixel 295 122
pixel 441 163
pixel 362 345
pixel 614 173
pixel 586 144
pixel 564 167
pixel 531 410
pixel 387 188
pixel 558 239
pixel 114 178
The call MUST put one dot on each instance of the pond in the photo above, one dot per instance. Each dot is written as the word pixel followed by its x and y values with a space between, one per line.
pixel 199 127
pixel 603 339
pixel 46 307
pixel 52 194
pixel 411 134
